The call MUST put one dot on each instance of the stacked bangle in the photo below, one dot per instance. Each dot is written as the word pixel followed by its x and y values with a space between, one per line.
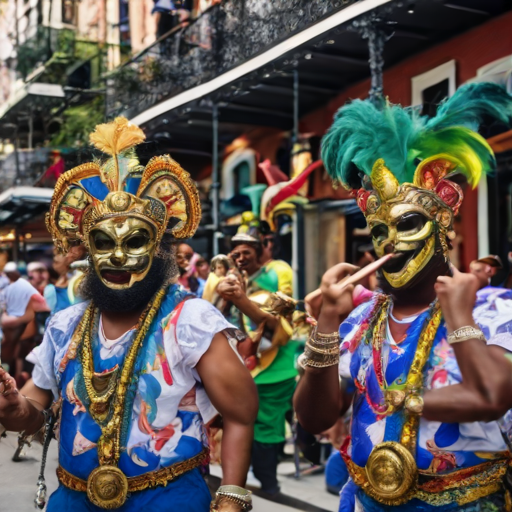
pixel 321 350
pixel 232 494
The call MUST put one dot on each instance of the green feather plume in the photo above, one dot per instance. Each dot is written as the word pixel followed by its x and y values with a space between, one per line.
pixel 362 133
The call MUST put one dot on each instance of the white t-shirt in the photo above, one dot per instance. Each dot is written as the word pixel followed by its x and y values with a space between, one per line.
pixel 17 296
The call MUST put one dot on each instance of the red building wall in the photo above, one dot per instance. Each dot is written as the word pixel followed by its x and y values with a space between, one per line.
pixel 471 50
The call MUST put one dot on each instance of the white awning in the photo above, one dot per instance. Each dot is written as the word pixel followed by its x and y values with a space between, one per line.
pixel 22 195
pixel 34 89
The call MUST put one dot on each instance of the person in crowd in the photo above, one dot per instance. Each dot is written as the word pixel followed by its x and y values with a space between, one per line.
pixel 267 242
pixel 485 269
pixel 187 259
pixel 427 378
pixel 269 333
pixel 54 171
pixel 184 257
pixel 268 253
pixel 491 299
pixel 202 269
pixel 21 302
pixel 62 293
pixel 171 14
pixel 220 265
pixel 141 367
pixel 4 258
pixel 38 275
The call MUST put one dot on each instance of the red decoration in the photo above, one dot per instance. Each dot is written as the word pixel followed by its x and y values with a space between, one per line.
pixel 362 198
pixel 434 171
pixel 77 214
pixel 450 193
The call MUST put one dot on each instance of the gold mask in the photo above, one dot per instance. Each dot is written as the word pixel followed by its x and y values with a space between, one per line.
pixel 408 220
pixel 122 250
pixel 120 209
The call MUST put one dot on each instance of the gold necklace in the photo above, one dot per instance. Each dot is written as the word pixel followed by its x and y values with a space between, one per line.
pixel 107 486
pixel 391 470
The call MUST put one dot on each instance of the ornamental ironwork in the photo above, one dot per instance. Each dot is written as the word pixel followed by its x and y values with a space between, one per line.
pixel 221 38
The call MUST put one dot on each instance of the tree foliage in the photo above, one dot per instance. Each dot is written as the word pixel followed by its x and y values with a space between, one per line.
pixel 78 123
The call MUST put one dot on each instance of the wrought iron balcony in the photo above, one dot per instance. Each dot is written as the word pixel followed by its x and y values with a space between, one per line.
pixel 55 56
pixel 223 37
pixel 23 168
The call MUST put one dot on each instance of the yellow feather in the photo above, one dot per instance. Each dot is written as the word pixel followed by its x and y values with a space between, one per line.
pixel 115 137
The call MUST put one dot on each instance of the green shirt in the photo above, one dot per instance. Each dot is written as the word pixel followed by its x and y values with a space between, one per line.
pixel 276 276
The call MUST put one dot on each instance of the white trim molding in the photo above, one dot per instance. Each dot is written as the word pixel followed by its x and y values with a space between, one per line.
pixel 446 71
pixel 483 218
pixel 346 14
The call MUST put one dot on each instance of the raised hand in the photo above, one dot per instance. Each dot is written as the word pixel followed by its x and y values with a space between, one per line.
pixel 457 296
pixel 7 386
pixel 9 395
pixel 230 288
pixel 338 284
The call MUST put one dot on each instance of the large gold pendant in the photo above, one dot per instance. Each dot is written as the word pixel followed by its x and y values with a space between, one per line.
pixel 392 474
pixel 107 487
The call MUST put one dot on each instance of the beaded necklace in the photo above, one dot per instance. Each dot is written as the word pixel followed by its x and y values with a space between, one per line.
pixel 375 333
pixel 106 404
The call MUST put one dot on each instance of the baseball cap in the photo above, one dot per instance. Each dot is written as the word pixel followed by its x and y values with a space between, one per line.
pixel 10 266
pixel 36 265
pixel 491 260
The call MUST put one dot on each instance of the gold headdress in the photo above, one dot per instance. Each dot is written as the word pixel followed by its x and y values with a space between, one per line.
pixel 402 167
pixel 121 187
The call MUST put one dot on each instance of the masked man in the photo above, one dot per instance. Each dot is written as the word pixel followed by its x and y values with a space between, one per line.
pixel 139 369
pixel 426 380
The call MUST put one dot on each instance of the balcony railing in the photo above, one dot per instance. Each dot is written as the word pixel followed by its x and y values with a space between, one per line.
pixel 223 37
pixel 61 52
pixel 23 168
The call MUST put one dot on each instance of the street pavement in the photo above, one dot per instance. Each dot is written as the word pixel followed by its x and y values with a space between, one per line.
pixel 18 482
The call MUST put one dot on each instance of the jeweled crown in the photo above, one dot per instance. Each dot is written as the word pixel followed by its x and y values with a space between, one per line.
pixel 121 187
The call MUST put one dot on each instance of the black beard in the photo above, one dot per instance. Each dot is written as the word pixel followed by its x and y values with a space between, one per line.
pixel 135 298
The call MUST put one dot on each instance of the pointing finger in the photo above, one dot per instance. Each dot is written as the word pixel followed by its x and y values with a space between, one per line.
pixel 338 272
pixel 368 270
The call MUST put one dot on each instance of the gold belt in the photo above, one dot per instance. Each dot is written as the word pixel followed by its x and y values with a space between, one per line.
pixel 462 486
pixel 105 490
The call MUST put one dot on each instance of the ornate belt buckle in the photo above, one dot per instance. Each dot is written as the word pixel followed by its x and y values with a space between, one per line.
pixel 391 473
pixel 107 487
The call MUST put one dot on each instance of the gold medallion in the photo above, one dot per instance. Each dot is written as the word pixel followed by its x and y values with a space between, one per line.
pixel 392 473
pixel 107 487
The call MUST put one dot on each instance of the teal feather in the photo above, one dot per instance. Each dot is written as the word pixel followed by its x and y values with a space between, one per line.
pixel 361 133
pixel 470 103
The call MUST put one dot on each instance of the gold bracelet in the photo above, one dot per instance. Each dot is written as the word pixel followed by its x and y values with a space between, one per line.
pixel 465 333
pixel 324 339
pixel 332 361
pixel 315 360
pixel 331 350
pixel 233 494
